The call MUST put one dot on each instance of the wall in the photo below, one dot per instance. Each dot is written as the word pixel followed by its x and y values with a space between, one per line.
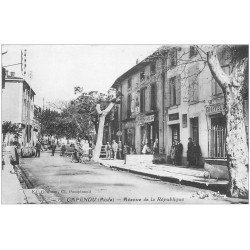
pixel 11 102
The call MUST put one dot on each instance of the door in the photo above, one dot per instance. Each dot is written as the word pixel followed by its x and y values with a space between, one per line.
pixel 175 132
pixel 195 129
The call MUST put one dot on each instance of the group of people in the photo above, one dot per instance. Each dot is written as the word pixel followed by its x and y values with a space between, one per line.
pixel 176 153
pixel 115 149
pixel 147 150
pixel 193 153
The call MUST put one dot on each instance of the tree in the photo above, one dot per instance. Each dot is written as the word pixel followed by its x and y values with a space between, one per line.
pixel 235 90
pixel 11 128
pixel 115 99
pixel 233 86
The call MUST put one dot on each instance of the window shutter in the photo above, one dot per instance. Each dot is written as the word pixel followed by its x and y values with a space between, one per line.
pixel 196 90
pixel 178 89
pixel 167 93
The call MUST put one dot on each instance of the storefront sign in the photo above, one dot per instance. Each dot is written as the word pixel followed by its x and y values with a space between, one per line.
pixel 145 119
pixel 215 108
pixel 173 117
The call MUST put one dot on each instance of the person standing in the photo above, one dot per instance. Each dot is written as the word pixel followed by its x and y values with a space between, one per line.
pixel 115 149
pixel 53 148
pixel 190 152
pixel 38 149
pixel 178 153
pixel 156 147
pixel 63 149
pixel 108 151
pixel 14 157
pixel 120 150
pixel 172 153
pixel 197 154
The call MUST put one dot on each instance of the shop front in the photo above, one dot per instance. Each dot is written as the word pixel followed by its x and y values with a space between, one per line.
pixel 149 130
pixel 216 131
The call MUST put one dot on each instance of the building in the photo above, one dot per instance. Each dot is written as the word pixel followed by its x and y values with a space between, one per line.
pixel 18 107
pixel 171 95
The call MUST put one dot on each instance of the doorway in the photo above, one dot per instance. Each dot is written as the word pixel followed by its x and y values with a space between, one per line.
pixel 194 126
pixel 175 132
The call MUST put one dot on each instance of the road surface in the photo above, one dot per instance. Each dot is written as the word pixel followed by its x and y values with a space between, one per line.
pixel 57 180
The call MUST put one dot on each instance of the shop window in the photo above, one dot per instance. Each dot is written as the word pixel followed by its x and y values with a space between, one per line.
pixel 142 100
pixel 217 137
pixel 153 96
pixel 192 51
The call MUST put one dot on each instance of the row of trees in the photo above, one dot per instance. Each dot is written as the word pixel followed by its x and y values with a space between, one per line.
pixel 77 118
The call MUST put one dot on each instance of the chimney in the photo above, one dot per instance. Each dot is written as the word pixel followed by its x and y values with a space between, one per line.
pixel 137 60
pixel 12 74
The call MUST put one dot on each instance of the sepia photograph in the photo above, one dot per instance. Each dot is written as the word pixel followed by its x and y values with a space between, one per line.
pixel 125 124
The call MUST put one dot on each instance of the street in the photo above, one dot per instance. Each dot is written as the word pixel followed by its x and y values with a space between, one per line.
pixel 58 181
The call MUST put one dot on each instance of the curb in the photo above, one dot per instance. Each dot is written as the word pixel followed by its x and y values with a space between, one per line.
pixel 211 186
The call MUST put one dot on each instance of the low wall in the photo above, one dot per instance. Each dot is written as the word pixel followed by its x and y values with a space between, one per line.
pixel 139 159
pixel 217 171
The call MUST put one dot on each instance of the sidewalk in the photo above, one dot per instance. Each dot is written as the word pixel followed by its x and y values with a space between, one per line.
pixel 186 176
pixel 11 189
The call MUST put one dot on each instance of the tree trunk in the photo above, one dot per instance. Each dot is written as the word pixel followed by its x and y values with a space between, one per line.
pixel 102 117
pixel 98 146
pixel 236 140
pixel 236 144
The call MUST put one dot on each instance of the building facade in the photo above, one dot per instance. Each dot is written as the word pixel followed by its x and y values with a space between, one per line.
pixel 171 95
pixel 18 107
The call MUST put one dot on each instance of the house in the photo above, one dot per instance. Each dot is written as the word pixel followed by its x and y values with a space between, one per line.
pixel 171 95
pixel 18 107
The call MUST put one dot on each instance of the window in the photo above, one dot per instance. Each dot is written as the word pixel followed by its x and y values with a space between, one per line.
pixel 216 89
pixel 173 58
pixel 153 96
pixel 192 51
pixel 142 100
pixel 172 86
pixel 193 84
pixel 152 69
pixel 129 106
pixel 142 75
pixel 129 83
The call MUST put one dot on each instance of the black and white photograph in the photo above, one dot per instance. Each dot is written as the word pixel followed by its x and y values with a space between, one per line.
pixel 125 124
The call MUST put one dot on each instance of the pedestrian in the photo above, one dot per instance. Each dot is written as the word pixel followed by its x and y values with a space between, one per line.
pixel 75 157
pixel 53 148
pixel 178 153
pixel 125 150
pixel 115 149
pixel 14 157
pixel 38 149
pixel 190 152
pixel 156 147
pixel 146 149
pixel 63 149
pixel 172 153
pixel 197 154
pixel 108 149
pixel 120 150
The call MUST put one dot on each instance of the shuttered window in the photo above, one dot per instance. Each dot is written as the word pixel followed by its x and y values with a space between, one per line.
pixel 142 100
pixel 129 106
pixel 193 84
pixel 173 91
pixel 172 88
pixel 153 96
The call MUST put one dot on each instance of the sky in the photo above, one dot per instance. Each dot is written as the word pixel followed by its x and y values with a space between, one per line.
pixel 56 69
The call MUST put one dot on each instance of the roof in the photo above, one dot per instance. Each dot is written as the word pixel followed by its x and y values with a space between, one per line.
pixel 19 79
pixel 153 57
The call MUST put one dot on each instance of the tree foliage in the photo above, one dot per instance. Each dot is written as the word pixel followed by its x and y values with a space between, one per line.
pixel 11 128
